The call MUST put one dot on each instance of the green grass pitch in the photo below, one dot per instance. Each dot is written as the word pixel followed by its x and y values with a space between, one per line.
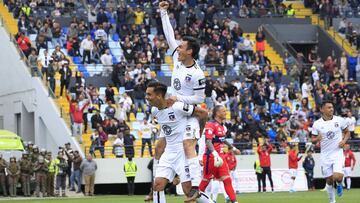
pixel 351 196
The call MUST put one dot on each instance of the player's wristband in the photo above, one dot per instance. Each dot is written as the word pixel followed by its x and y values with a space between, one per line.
pixel 234 148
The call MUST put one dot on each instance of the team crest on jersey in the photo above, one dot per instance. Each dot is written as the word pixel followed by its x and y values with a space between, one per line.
pixel 172 116
pixel 336 124
pixel 188 78
pixel 330 135
pixel 166 129
pixel 177 84
pixel 188 128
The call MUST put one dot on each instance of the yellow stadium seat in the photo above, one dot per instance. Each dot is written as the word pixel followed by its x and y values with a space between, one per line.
pixel 132 117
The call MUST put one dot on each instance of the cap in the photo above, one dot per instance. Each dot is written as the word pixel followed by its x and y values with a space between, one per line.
pixel 43 150
pixel 68 143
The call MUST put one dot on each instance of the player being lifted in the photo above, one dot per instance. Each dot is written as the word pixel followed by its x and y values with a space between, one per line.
pixel 332 133
pixel 215 166
pixel 172 120
pixel 187 86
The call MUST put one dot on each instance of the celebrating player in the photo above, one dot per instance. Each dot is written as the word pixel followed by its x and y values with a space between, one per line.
pixel 214 162
pixel 172 120
pixel 332 133
pixel 293 165
pixel 349 165
pixel 187 86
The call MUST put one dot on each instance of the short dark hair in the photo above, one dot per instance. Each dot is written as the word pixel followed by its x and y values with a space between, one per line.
pixel 215 110
pixel 159 88
pixel 194 45
pixel 326 102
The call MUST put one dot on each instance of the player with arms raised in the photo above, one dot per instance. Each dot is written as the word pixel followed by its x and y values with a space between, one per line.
pixel 214 163
pixel 172 120
pixel 332 133
pixel 187 86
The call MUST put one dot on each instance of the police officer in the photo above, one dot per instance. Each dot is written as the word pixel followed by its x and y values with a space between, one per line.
pixel 43 153
pixel 41 170
pixel 130 173
pixel 13 176
pixel 3 166
pixel 30 148
pixel 26 171
pixel 51 175
pixel 258 172
pixel 62 167
pixel 308 166
pixel 35 154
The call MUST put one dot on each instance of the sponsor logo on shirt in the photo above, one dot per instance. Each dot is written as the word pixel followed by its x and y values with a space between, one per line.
pixel 330 135
pixel 177 84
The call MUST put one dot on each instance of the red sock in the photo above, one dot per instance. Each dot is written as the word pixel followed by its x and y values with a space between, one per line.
pixel 203 185
pixel 229 189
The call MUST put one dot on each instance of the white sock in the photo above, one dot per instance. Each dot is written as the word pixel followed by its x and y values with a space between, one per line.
pixel 195 171
pixel 292 183
pixel 159 197
pixel 203 198
pixel 331 193
pixel 215 189
pixel 348 182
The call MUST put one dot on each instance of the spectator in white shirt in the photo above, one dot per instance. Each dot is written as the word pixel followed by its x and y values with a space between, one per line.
pixel 306 89
pixel 315 75
pixel 127 102
pixel 87 45
pixel 248 47
pixel 146 131
pixel 351 121
pixel 118 145
pixel 100 34
pixel 106 61
pixel 44 61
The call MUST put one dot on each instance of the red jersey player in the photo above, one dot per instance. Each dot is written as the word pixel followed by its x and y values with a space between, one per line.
pixel 265 163
pixel 213 161
pixel 293 165
pixel 231 161
pixel 349 165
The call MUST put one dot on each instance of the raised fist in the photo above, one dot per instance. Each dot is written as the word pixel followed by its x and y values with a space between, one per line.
pixel 164 5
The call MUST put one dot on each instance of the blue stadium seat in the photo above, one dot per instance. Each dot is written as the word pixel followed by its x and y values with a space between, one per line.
pixel 65 30
pixel 76 59
pixel 86 74
pixel 81 68
pixel 160 74
pixel 114 60
pixel 121 90
pixel 140 116
pixel 115 37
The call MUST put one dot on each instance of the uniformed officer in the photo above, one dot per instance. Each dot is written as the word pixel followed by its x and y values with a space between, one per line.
pixel 35 154
pixel 43 153
pixel 41 170
pixel 130 173
pixel 61 168
pixel 30 148
pixel 13 176
pixel 51 175
pixel 3 166
pixel 26 171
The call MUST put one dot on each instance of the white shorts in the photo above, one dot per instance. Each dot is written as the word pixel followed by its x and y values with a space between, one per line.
pixel 347 171
pixel 332 165
pixel 293 172
pixel 172 163
pixel 192 130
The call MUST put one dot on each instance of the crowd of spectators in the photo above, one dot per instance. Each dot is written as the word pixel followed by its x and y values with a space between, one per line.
pixel 261 106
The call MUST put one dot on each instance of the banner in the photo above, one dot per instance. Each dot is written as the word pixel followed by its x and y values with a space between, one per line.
pixel 281 178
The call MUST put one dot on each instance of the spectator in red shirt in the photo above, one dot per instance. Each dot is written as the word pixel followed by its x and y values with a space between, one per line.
pixel 232 163
pixel 350 162
pixel 293 165
pixel 24 44
pixel 78 120
pixel 265 163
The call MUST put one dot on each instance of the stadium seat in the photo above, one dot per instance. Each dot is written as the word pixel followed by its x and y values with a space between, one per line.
pixel 135 125
pixel 121 90
pixel 102 90
pixel 77 60
pixel 32 37
pixel 140 116
pixel 103 107
pixel 115 37
pixel 132 117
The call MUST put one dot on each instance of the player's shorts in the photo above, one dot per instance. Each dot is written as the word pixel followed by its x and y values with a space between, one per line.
pixel 212 172
pixel 347 172
pixel 293 172
pixel 192 130
pixel 172 163
pixel 332 164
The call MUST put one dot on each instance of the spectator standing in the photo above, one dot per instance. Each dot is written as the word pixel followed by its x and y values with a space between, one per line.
pixel 308 166
pixel 343 66
pixel 110 110
pixel 78 121
pixel 24 44
pixel 33 62
pixel 76 174
pixel 96 120
pixel 232 163
pixel 44 61
pixel 350 119
pixel 88 167
pixel 265 163
pixel 106 61
pixel 118 145
pixel 146 131
pixel 260 40
pixel 50 180
pixel 139 16
pixel 66 74
pixel 130 169
pixel 87 45
pixel 129 144
pixel 51 74
pixel 103 137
